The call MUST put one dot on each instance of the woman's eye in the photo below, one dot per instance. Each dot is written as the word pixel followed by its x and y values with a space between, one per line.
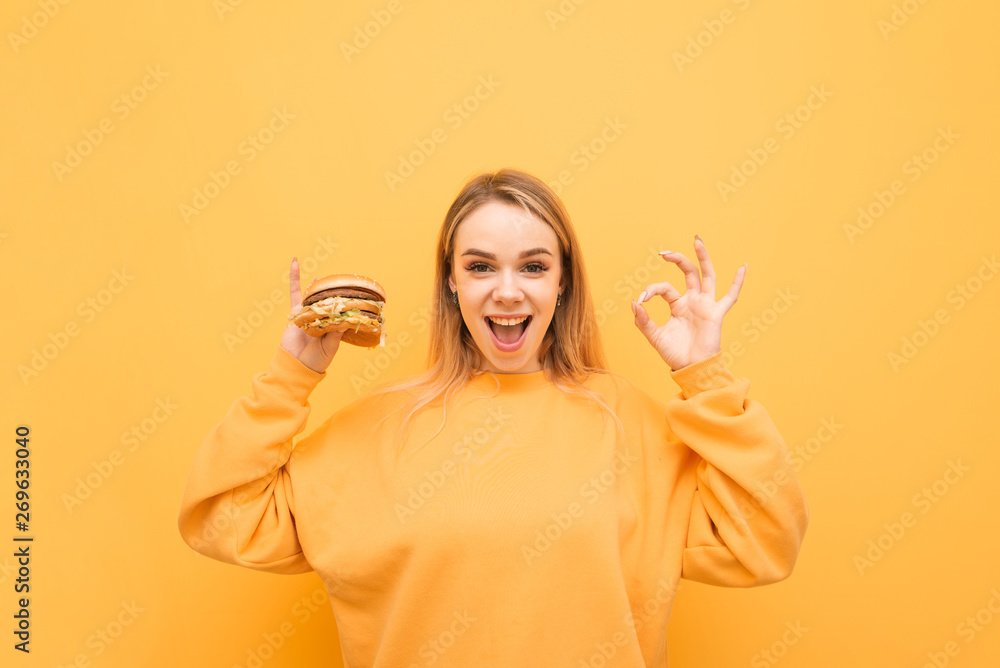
pixel 531 268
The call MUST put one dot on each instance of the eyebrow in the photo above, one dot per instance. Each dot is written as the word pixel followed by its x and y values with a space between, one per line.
pixel 491 256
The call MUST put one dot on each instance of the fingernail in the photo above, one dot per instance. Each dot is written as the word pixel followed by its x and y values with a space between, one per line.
pixel 295 259
pixel 642 297
pixel 699 238
pixel 665 252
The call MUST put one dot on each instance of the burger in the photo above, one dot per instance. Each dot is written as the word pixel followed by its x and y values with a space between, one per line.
pixel 349 303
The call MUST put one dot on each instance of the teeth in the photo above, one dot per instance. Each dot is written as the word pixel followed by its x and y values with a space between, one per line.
pixel 508 321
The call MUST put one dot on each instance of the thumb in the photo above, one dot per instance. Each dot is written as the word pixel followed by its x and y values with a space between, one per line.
pixel 643 321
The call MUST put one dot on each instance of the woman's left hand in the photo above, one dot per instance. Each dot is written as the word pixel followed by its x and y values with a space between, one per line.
pixel 694 331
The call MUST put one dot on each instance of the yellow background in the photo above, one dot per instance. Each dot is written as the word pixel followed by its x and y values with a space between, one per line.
pixel 169 326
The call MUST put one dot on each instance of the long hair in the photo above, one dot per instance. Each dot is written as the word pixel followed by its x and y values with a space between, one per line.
pixel 571 349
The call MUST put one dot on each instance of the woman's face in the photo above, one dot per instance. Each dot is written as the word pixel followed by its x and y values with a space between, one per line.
pixel 507 267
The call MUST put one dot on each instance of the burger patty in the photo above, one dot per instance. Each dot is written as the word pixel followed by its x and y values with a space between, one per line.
pixel 353 293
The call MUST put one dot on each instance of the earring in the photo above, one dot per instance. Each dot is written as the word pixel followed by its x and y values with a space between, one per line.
pixel 454 297
pixel 559 299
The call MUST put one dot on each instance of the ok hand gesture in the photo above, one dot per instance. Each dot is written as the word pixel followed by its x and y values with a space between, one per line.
pixel 694 331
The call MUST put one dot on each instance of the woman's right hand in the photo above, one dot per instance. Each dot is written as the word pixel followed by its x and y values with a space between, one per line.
pixel 314 352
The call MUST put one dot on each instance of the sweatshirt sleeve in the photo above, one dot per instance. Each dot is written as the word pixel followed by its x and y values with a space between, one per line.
pixel 749 512
pixel 237 504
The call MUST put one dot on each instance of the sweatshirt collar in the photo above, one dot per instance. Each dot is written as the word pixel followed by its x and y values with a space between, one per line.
pixel 510 382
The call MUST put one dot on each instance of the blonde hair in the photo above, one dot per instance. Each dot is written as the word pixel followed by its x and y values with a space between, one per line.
pixel 571 349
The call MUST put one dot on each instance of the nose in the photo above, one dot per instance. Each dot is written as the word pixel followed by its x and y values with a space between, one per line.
pixel 507 290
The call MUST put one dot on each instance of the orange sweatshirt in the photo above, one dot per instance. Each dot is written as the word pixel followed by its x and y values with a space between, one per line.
pixel 525 534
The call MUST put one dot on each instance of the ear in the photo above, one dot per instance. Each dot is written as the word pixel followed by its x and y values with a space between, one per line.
pixel 451 281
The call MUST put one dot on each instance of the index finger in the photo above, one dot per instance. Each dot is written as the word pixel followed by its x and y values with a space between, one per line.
pixel 295 296
pixel 691 279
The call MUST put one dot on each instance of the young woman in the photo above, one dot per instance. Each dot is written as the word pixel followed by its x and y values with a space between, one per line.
pixel 517 504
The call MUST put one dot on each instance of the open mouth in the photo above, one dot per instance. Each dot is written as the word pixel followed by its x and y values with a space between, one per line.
pixel 508 337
